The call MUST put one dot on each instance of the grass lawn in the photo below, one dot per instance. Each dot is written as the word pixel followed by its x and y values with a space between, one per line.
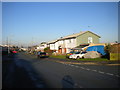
pixel 85 59
pixel 59 56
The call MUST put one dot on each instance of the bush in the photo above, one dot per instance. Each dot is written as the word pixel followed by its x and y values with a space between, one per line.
pixel 107 48
pixel 47 50
pixel 115 48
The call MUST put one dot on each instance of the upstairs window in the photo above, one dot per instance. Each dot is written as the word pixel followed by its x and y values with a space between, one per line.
pixel 70 41
pixel 90 40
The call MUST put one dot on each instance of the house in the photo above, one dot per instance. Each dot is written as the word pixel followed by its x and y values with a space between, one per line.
pixel 65 44
pixel 52 45
pixel 42 46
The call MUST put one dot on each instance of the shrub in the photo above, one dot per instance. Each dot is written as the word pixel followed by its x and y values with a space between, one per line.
pixel 47 50
pixel 107 48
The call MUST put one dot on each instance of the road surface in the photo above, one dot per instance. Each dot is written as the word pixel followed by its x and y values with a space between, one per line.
pixel 27 71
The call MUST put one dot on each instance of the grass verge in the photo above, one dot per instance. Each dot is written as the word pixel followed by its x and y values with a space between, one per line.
pixel 85 59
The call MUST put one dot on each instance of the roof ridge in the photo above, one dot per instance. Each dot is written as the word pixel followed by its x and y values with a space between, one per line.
pixel 76 34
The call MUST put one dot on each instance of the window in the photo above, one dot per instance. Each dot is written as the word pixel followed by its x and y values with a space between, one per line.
pixel 70 41
pixel 77 53
pixel 90 40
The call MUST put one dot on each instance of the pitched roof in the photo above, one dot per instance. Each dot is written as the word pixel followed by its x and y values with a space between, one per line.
pixel 77 34
pixel 53 41
pixel 73 36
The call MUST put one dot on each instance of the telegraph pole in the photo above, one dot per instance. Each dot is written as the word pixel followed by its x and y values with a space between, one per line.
pixel 8 45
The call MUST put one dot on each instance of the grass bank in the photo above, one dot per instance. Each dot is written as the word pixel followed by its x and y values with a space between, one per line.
pixel 85 59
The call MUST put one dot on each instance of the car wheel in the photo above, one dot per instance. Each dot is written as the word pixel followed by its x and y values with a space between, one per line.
pixel 82 57
pixel 78 57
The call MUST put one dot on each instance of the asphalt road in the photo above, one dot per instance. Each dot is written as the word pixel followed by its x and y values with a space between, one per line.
pixel 28 71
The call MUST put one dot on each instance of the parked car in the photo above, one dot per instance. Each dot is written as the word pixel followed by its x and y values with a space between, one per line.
pixel 70 53
pixel 14 51
pixel 42 54
pixel 77 55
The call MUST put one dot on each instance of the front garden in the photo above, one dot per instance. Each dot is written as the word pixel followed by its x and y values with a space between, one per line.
pixel 85 59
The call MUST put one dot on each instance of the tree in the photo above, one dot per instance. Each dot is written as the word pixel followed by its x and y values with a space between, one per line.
pixel 107 50
pixel 48 50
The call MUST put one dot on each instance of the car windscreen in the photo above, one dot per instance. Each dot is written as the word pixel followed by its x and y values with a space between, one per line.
pixel 77 52
pixel 38 52
pixel 83 52
pixel 72 52
pixel 42 53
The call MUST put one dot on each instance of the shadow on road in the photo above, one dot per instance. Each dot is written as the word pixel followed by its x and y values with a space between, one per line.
pixel 19 73
pixel 67 82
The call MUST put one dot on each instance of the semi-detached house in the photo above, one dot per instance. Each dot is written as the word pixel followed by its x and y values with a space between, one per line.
pixel 65 44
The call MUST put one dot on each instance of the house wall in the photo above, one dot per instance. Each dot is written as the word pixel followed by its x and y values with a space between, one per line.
pixel 83 39
pixel 70 43
pixel 45 45
pixel 52 46
pixel 66 45
pixel 42 46
pixel 61 42
pixel 68 50
pixel 56 46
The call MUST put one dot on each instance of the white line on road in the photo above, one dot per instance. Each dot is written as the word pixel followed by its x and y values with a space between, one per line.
pixel 72 65
pixel 101 72
pixel 87 69
pixel 82 67
pixel 94 70
pixel 109 74
pixel 76 66
pixel 117 75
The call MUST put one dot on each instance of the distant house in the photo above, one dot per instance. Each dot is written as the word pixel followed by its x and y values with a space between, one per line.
pixel 52 45
pixel 42 46
pixel 65 44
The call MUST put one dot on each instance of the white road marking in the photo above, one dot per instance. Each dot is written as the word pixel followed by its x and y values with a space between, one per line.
pixel 76 66
pixel 87 69
pixel 71 65
pixel 101 72
pixel 109 74
pixel 117 75
pixel 94 70
pixel 82 67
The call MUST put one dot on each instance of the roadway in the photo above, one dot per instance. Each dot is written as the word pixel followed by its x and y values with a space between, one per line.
pixel 52 73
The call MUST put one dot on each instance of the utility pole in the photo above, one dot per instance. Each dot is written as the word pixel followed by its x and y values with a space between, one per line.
pixel 8 45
